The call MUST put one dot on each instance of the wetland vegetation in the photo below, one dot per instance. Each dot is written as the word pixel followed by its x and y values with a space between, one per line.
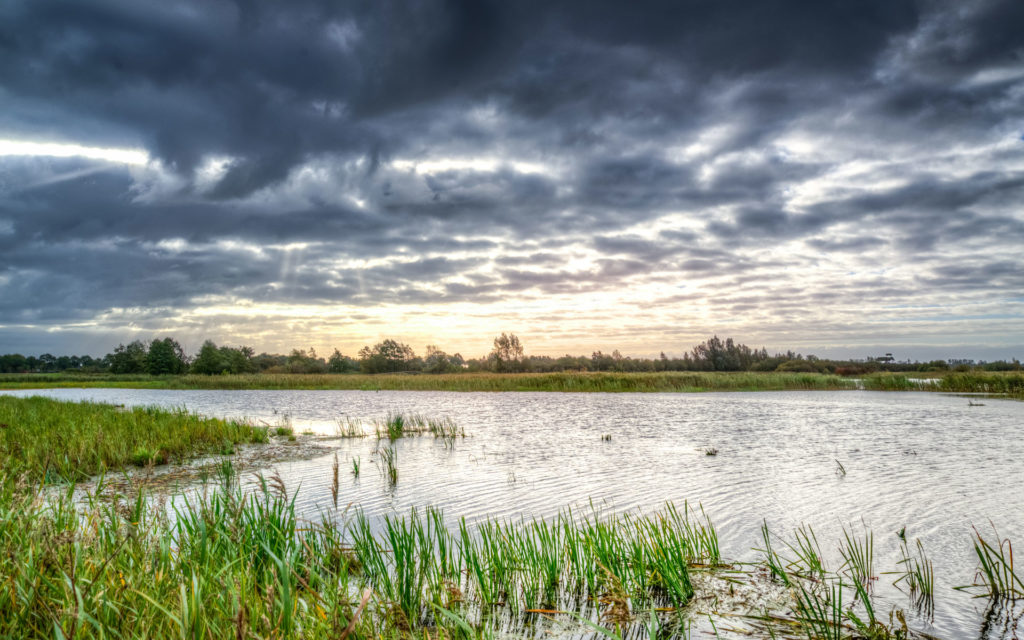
pixel 236 557
pixel 1009 383
pixel 43 438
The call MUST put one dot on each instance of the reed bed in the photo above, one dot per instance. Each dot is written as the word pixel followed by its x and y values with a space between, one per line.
pixel 1009 383
pixel 241 564
pixel 228 562
pixel 670 381
pixel 984 382
pixel 50 439
pixel 399 425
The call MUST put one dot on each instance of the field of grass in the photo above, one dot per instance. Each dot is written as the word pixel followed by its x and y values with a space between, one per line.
pixel 48 439
pixel 603 382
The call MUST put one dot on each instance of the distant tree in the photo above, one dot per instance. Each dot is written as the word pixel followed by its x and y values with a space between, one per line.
pixel 165 357
pixel 339 363
pixel 129 359
pixel 13 363
pixel 797 366
pixel 238 359
pixel 507 354
pixel 388 356
pixel 437 361
pixel 208 361
pixel 269 362
pixel 302 361
pixel 601 361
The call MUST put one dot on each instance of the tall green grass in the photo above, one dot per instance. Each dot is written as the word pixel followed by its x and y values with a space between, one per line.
pixel 983 382
pixel 1011 383
pixel 232 563
pixel 566 381
pixel 49 439
pixel 997 576
pixel 229 563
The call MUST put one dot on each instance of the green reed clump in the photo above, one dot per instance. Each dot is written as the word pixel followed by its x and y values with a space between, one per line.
pixel 817 593
pixel 349 428
pixel 858 556
pixel 393 427
pixel 772 560
pixel 893 382
pixel 74 440
pixel 918 574
pixel 387 463
pixel 400 425
pixel 996 577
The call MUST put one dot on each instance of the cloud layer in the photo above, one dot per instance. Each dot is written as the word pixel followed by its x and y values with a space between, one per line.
pixel 826 176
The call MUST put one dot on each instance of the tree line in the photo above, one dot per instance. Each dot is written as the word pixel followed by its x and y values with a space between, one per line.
pixel 165 356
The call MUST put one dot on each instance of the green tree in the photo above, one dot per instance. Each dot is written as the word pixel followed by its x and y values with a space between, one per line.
pixel 238 359
pixel 165 357
pixel 437 361
pixel 388 356
pixel 507 354
pixel 208 361
pixel 339 363
pixel 129 359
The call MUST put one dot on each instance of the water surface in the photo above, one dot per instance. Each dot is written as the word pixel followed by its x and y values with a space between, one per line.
pixel 928 462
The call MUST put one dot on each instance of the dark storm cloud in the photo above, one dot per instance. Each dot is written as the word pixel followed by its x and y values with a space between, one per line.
pixel 272 83
pixel 652 138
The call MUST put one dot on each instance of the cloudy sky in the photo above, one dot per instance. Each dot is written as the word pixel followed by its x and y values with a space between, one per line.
pixel 836 177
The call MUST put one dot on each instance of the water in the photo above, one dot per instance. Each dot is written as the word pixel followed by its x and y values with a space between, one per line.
pixel 924 461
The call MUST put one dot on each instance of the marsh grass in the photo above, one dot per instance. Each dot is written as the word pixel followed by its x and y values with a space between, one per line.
pixel 772 560
pixel 228 562
pixel 817 594
pixel 819 610
pixel 387 464
pixel 858 557
pixel 996 577
pixel 1011 383
pixel 917 572
pixel 396 426
pixel 983 382
pixel 51 439
pixel 349 428
pixel 686 381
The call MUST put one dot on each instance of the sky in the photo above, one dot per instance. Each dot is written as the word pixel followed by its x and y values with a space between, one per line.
pixel 833 177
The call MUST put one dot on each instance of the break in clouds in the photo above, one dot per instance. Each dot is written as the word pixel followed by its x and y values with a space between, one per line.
pixel 833 177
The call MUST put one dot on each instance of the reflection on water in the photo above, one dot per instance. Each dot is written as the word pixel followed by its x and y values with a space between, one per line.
pixel 927 462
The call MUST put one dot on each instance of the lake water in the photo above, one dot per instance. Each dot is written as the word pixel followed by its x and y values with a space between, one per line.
pixel 928 462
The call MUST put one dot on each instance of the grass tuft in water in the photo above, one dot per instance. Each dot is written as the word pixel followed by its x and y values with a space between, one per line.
pixel 858 557
pixel 387 463
pixel 996 577
pixel 917 572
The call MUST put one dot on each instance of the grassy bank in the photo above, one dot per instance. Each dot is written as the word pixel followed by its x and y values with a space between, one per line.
pixel 42 437
pixel 1011 383
pixel 604 382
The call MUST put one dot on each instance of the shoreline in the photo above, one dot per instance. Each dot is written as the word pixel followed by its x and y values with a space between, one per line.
pixel 1011 384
